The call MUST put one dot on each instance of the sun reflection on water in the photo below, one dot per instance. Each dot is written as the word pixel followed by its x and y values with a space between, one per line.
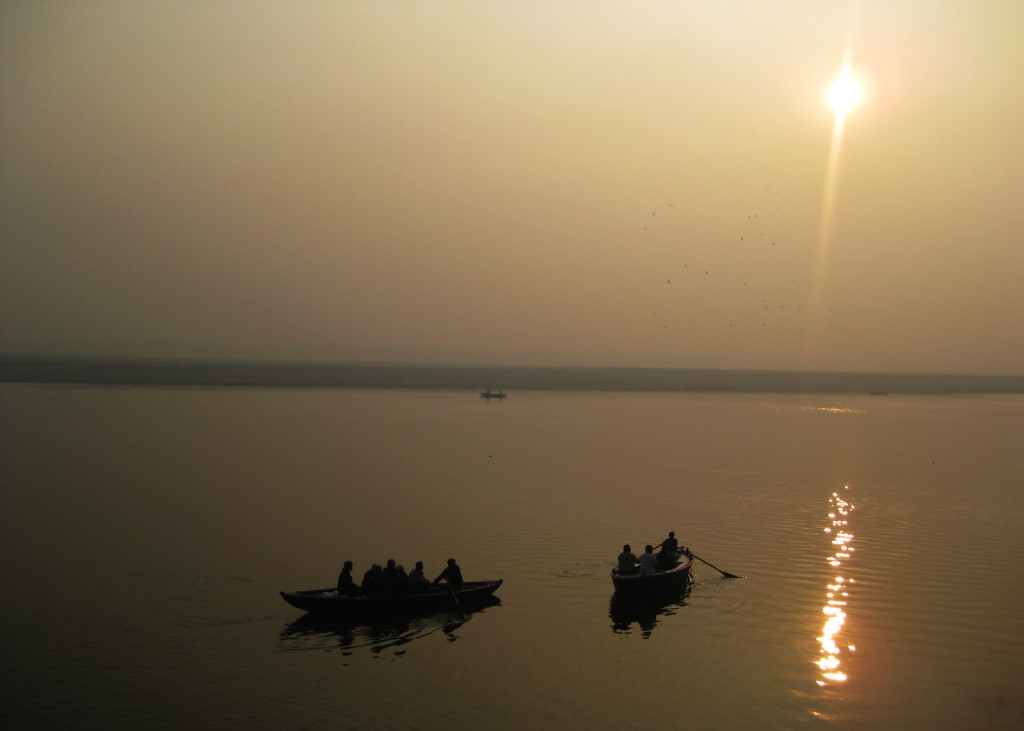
pixel 837 592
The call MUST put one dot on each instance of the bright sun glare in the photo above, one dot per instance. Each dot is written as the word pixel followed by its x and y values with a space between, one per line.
pixel 844 94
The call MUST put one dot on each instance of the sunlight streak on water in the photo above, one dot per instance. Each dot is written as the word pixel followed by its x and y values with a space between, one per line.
pixel 837 592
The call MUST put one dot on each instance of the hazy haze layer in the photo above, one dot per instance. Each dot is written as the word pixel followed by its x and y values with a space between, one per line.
pixel 610 183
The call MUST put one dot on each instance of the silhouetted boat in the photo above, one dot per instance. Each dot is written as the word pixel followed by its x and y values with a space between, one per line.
pixel 328 601
pixel 654 583
pixel 489 394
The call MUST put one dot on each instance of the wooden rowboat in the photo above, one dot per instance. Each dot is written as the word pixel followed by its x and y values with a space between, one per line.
pixel 328 601
pixel 660 581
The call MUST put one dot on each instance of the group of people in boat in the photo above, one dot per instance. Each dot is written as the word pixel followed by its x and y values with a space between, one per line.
pixel 650 562
pixel 392 579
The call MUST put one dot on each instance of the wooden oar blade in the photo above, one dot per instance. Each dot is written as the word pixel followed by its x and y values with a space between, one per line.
pixel 725 574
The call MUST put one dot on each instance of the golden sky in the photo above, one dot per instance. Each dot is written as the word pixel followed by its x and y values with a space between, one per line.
pixel 545 182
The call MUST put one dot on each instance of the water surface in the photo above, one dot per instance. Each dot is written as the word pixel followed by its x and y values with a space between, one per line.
pixel 147 531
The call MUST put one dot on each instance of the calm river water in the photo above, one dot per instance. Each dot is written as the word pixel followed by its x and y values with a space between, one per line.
pixel 146 533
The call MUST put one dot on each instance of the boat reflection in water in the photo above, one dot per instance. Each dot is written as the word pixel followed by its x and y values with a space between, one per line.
pixel 385 632
pixel 647 610
pixel 837 591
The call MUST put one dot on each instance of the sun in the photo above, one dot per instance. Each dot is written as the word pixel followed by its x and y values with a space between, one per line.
pixel 844 94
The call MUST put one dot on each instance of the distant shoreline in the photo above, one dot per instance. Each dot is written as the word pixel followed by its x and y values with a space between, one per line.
pixel 171 373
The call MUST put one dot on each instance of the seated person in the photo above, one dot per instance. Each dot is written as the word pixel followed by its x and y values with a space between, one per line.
pixel 374 581
pixel 417 580
pixel 627 561
pixel 648 563
pixel 452 574
pixel 669 553
pixel 400 582
pixel 346 585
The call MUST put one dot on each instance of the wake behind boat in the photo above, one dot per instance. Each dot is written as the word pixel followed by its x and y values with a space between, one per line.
pixel 437 596
pixel 637 583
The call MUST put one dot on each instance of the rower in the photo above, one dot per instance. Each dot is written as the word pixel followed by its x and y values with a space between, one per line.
pixel 452 574
pixel 669 552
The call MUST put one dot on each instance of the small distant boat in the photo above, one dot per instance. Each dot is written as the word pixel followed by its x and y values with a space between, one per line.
pixel 489 394
pixel 670 578
pixel 440 596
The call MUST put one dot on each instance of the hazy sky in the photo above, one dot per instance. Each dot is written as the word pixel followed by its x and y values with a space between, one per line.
pixel 549 182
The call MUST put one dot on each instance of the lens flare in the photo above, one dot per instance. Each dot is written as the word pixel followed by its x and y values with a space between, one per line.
pixel 843 95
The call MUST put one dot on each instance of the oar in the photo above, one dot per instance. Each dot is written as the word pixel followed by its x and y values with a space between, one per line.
pixel 725 574
pixel 455 599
